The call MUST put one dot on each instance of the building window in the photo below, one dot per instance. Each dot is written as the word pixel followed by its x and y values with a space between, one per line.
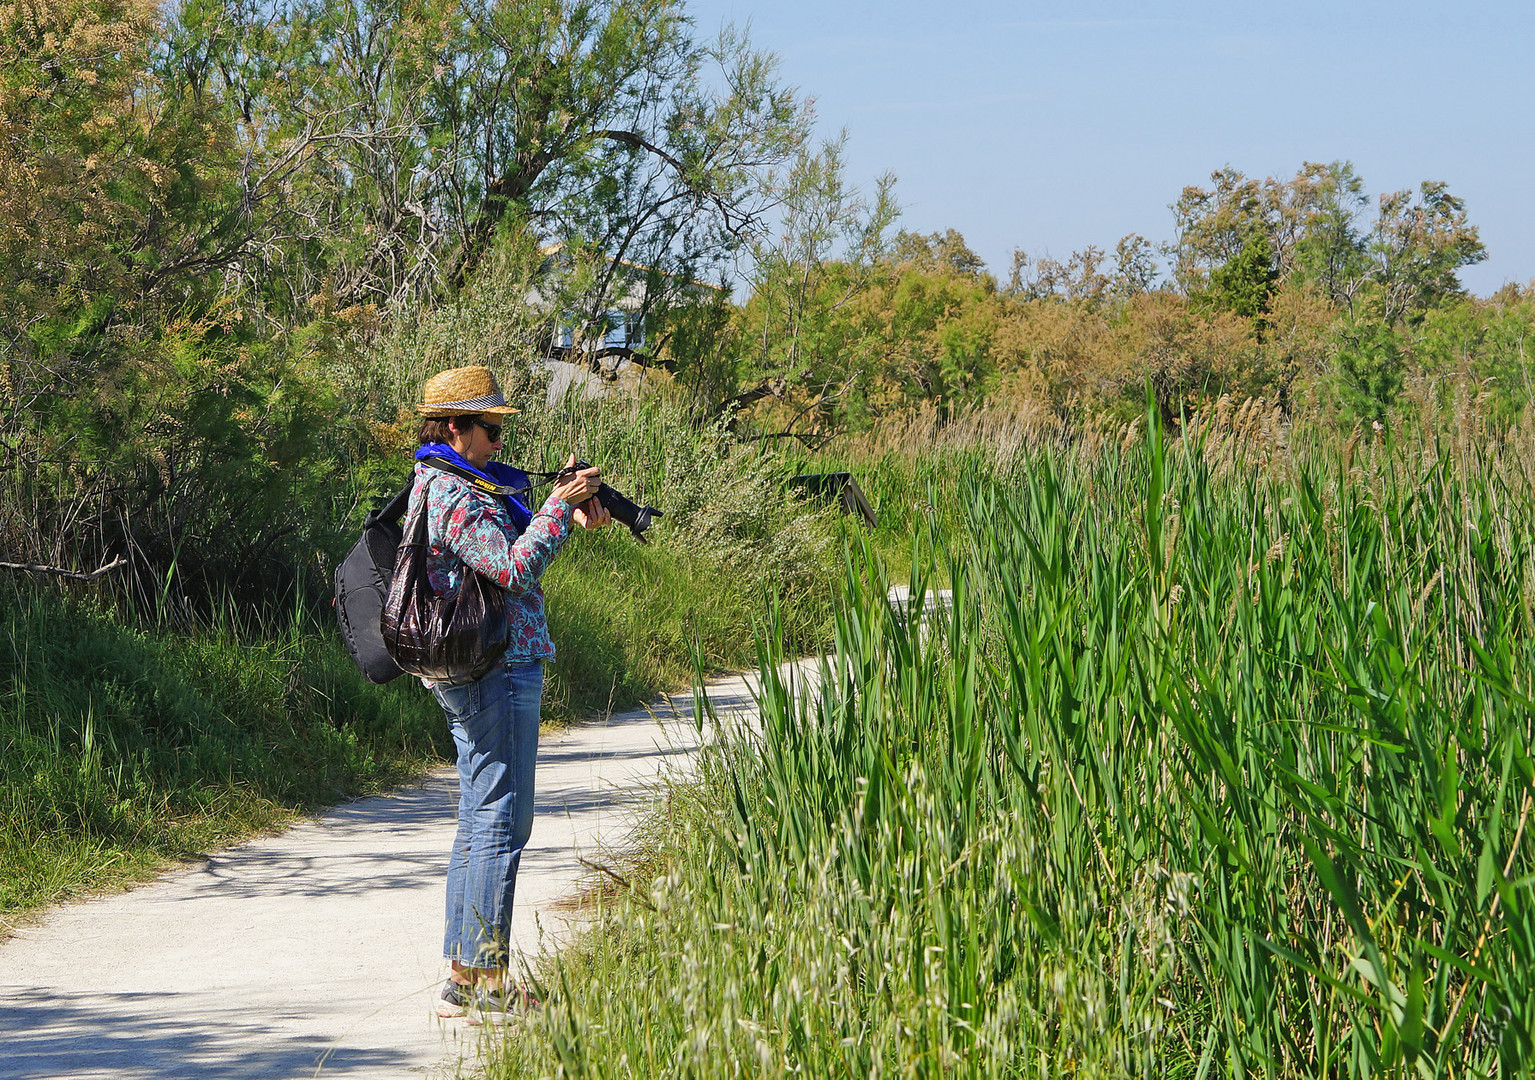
pixel 625 330
pixel 616 337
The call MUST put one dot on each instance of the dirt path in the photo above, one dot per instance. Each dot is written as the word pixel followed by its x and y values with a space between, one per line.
pixel 318 950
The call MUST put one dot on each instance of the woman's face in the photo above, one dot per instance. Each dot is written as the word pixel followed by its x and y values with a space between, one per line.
pixel 473 443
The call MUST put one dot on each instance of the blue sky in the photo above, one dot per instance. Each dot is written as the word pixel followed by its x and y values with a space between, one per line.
pixel 1051 126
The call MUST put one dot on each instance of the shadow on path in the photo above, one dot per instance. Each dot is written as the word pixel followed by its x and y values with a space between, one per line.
pixel 53 1035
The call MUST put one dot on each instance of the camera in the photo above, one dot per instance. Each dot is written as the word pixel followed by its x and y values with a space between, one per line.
pixel 623 509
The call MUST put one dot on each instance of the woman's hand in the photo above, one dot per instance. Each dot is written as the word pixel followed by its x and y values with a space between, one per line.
pixel 592 514
pixel 579 486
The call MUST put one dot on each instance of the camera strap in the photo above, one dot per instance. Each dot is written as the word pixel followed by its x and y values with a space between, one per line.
pixel 479 483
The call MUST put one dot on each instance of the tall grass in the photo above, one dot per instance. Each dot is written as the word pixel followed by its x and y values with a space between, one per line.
pixel 123 747
pixel 1216 765
pixel 630 620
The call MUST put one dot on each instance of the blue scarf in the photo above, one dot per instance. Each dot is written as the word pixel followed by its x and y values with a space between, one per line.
pixel 495 472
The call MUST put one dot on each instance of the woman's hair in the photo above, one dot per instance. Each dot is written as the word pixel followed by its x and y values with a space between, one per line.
pixel 440 429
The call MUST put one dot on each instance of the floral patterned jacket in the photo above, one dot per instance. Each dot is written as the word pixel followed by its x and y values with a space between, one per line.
pixel 465 527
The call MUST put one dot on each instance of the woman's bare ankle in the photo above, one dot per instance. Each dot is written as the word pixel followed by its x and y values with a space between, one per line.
pixel 469 976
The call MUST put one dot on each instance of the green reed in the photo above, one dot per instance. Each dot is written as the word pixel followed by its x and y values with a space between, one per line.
pixel 1216 764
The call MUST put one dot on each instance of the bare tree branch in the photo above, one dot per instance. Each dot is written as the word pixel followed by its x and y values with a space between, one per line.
pixel 774 387
pixel 59 571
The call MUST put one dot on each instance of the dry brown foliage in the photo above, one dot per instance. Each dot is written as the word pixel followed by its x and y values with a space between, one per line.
pixel 1004 425
pixel 76 103
pixel 1098 357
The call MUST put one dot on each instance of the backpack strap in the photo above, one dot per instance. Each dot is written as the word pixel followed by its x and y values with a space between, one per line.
pixel 393 510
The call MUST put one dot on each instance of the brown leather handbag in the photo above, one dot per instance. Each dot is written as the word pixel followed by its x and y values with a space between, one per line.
pixel 454 638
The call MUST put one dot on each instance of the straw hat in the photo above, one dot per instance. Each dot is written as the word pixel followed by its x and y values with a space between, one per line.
pixel 465 391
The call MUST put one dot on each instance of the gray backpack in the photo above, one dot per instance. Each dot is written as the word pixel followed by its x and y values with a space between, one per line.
pixel 362 583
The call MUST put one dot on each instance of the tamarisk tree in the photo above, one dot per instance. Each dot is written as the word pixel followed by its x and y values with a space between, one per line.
pixel 431 125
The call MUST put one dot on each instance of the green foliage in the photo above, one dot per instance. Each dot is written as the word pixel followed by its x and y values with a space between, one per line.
pixel 1485 347
pixel 406 137
pixel 1311 222
pixel 488 322
pixel 698 343
pixel 1417 248
pixel 798 326
pixel 124 748
pixel 1082 279
pixel 914 324
pixel 1206 768
pixel 1410 254
pixel 202 453
pixel 630 622
pixel 945 251
pixel 1371 364
pixel 1272 280
pixel 1331 252
pixel 233 241
pixel 940 330
pixel 102 175
pixel 1244 284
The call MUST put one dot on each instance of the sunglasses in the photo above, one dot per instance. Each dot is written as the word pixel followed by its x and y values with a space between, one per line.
pixel 493 430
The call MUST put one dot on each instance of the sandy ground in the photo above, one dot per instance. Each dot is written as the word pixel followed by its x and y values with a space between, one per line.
pixel 318 951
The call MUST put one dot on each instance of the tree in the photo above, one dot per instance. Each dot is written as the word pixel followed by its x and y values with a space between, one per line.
pixel 654 225
pixel 803 325
pixel 1402 264
pixel 1310 220
pixel 141 413
pixel 1371 363
pixel 700 344
pixel 69 75
pixel 1417 247
pixel 434 124
pixel 1135 265
pixel 945 251
pixel 1329 250
pixel 119 199
pixel 1212 225
pixel 940 329
pixel 1245 282
pixel 1082 277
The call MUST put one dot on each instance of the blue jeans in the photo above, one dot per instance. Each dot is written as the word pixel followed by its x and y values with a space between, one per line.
pixel 495 727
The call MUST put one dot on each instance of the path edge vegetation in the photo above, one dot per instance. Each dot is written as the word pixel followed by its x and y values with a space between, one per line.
pixel 1218 763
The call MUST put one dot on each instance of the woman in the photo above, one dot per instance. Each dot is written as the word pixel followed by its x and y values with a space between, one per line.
pixel 494 719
